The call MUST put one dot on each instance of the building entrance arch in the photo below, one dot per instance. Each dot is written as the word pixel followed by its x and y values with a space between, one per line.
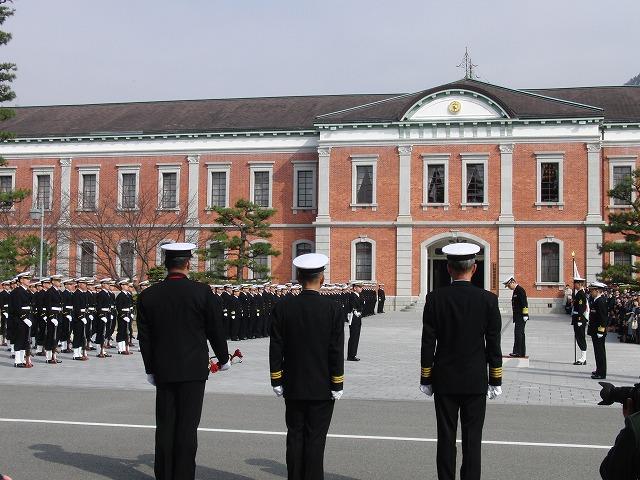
pixel 433 263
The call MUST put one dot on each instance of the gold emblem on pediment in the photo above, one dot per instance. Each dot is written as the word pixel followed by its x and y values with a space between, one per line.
pixel 455 106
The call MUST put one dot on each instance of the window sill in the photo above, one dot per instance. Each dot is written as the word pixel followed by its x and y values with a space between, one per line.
pixel 211 209
pixel 372 206
pixel 303 209
pixel 558 205
pixel 484 206
pixel 558 285
pixel 86 209
pixel 121 209
pixel 619 207
pixel 444 206
pixel 160 209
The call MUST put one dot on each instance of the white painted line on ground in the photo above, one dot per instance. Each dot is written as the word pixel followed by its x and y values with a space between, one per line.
pixel 331 435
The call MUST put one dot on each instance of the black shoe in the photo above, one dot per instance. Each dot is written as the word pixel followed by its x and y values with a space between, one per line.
pixel 353 359
pixel 578 362
pixel 514 355
pixel 598 377
pixel 20 365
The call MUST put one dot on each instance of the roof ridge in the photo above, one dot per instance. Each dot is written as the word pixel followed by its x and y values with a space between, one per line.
pixel 365 105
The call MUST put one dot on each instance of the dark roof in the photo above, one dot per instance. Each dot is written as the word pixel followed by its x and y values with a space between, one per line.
pixel 517 104
pixel 181 116
pixel 620 103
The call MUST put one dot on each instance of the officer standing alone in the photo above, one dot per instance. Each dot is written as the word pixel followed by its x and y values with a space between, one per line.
pixel 175 319
pixel 579 318
pixel 598 319
pixel 306 357
pixel 520 308
pixel 460 336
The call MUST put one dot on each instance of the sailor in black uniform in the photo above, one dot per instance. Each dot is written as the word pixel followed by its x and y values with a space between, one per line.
pixel 355 324
pixel 460 342
pixel 306 357
pixel 520 309
pixel 20 303
pixel 103 316
pixel 175 319
pixel 80 320
pixel 53 305
pixel 598 320
pixel 124 307
pixel 579 318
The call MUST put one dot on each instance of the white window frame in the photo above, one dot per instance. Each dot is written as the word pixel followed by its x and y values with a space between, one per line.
pixel 474 158
pixel 218 167
pixel 362 160
pixel 621 161
pixel 122 169
pixel 135 259
pixel 255 167
pixel 250 271
pixel 37 171
pixel 166 241
pixel 168 168
pixel 9 172
pixel 294 246
pixel 549 157
pixel 365 239
pixel 305 166
pixel 79 256
pixel 435 159
pixel 88 170
pixel 209 262
pixel 612 254
pixel 539 283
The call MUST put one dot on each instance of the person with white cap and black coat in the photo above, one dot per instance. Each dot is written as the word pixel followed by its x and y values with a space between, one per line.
pixel 598 320
pixel 520 309
pixel 175 319
pixel 124 307
pixel 80 320
pixel 579 318
pixel 306 360
pixel 53 305
pixel 460 345
pixel 20 301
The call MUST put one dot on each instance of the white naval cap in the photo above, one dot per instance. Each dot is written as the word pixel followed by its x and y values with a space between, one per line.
pixel 460 251
pixel 509 279
pixel 178 250
pixel 124 281
pixel 578 278
pixel 599 285
pixel 311 262
pixel 56 277
pixel 105 280
pixel 26 274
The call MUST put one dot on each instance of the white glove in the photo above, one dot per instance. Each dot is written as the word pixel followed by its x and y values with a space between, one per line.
pixel 69 317
pixel 5 314
pixel 226 366
pixel 44 319
pixel 91 317
pixel 278 391
pixel 28 322
pixel 525 318
pixel 579 324
pixel 357 313
pixel 55 322
pixel 233 317
pixel 600 335
pixel 126 319
pixel 104 319
pixel 427 390
pixel 336 395
pixel 151 379
pixel 83 320
pixel 493 392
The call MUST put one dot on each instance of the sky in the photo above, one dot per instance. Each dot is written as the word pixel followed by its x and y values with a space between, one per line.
pixel 96 51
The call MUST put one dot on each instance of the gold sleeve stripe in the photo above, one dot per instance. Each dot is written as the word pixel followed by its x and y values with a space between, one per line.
pixel 601 329
pixel 337 379
pixel 276 375
pixel 525 311
pixel 426 372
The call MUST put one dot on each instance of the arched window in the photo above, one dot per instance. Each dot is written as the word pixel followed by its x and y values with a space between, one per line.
pixel 550 261
pixel 127 260
pixel 363 256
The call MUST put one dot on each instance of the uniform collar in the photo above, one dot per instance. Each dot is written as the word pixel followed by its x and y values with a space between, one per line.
pixel 310 292
pixel 176 276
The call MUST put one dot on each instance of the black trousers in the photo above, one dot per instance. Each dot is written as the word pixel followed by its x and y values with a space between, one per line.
pixel 600 353
pixel 354 337
pixel 519 343
pixel 307 426
pixel 472 409
pixel 51 340
pixel 178 410
pixel 21 336
pixel 380 306
pixel 111 326
pixel 235 326
pixel 78 333
pixel 3 325
pixel 101 328
pixel 122 334
pixel 581 340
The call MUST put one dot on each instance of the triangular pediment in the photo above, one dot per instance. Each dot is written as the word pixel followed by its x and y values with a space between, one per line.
pixel 455 105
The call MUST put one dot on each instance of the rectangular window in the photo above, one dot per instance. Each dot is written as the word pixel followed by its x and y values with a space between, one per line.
pixel 363 261
pixel 127 260
pixel 364 183
pixel 87 255
pixel 218 189
pixel 621 173
pixel 129 193
pixel 622 258
pixel 261 194
pixel 305 189
pixel 436 183
pixel 6 183
pixel 44 192
pixel 89 184
pixel 475 183
pixel 261 261
pixel 550 182
pixel 169 190
pixel 550 262
pixel 216 260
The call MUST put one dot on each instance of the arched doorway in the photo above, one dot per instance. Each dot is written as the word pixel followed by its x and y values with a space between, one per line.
pixel 434 263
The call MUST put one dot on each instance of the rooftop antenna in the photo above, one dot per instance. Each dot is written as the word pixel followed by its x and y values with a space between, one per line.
pixel 468 65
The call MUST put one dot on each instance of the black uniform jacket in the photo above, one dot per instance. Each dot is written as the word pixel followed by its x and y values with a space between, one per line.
pixel 598 316
pixel 306 352
pixel 519 303
pixel 580 307
pixel 175 319
pixel 460 335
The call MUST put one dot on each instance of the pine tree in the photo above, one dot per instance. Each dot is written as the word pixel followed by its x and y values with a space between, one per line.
pixel 634 81
pixel 626 224
pixel 239 228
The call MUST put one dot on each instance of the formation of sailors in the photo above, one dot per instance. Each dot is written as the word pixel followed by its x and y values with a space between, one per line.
pixel 55 315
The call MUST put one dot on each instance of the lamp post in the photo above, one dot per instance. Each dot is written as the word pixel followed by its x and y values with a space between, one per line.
pixel 35 215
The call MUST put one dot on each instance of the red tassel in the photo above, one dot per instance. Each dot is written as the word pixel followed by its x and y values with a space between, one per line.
pixel 213 366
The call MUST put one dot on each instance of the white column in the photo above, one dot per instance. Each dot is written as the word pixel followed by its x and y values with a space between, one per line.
pixel 594 220
pixel 323 219
pixel 192 227
pixel 506 225
pixel 404 229
pixel 62 241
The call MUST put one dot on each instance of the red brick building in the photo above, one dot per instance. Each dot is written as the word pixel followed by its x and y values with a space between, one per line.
pixel 377 182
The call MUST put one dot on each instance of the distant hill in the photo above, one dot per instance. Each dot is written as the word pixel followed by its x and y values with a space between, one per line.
pixel 634 81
